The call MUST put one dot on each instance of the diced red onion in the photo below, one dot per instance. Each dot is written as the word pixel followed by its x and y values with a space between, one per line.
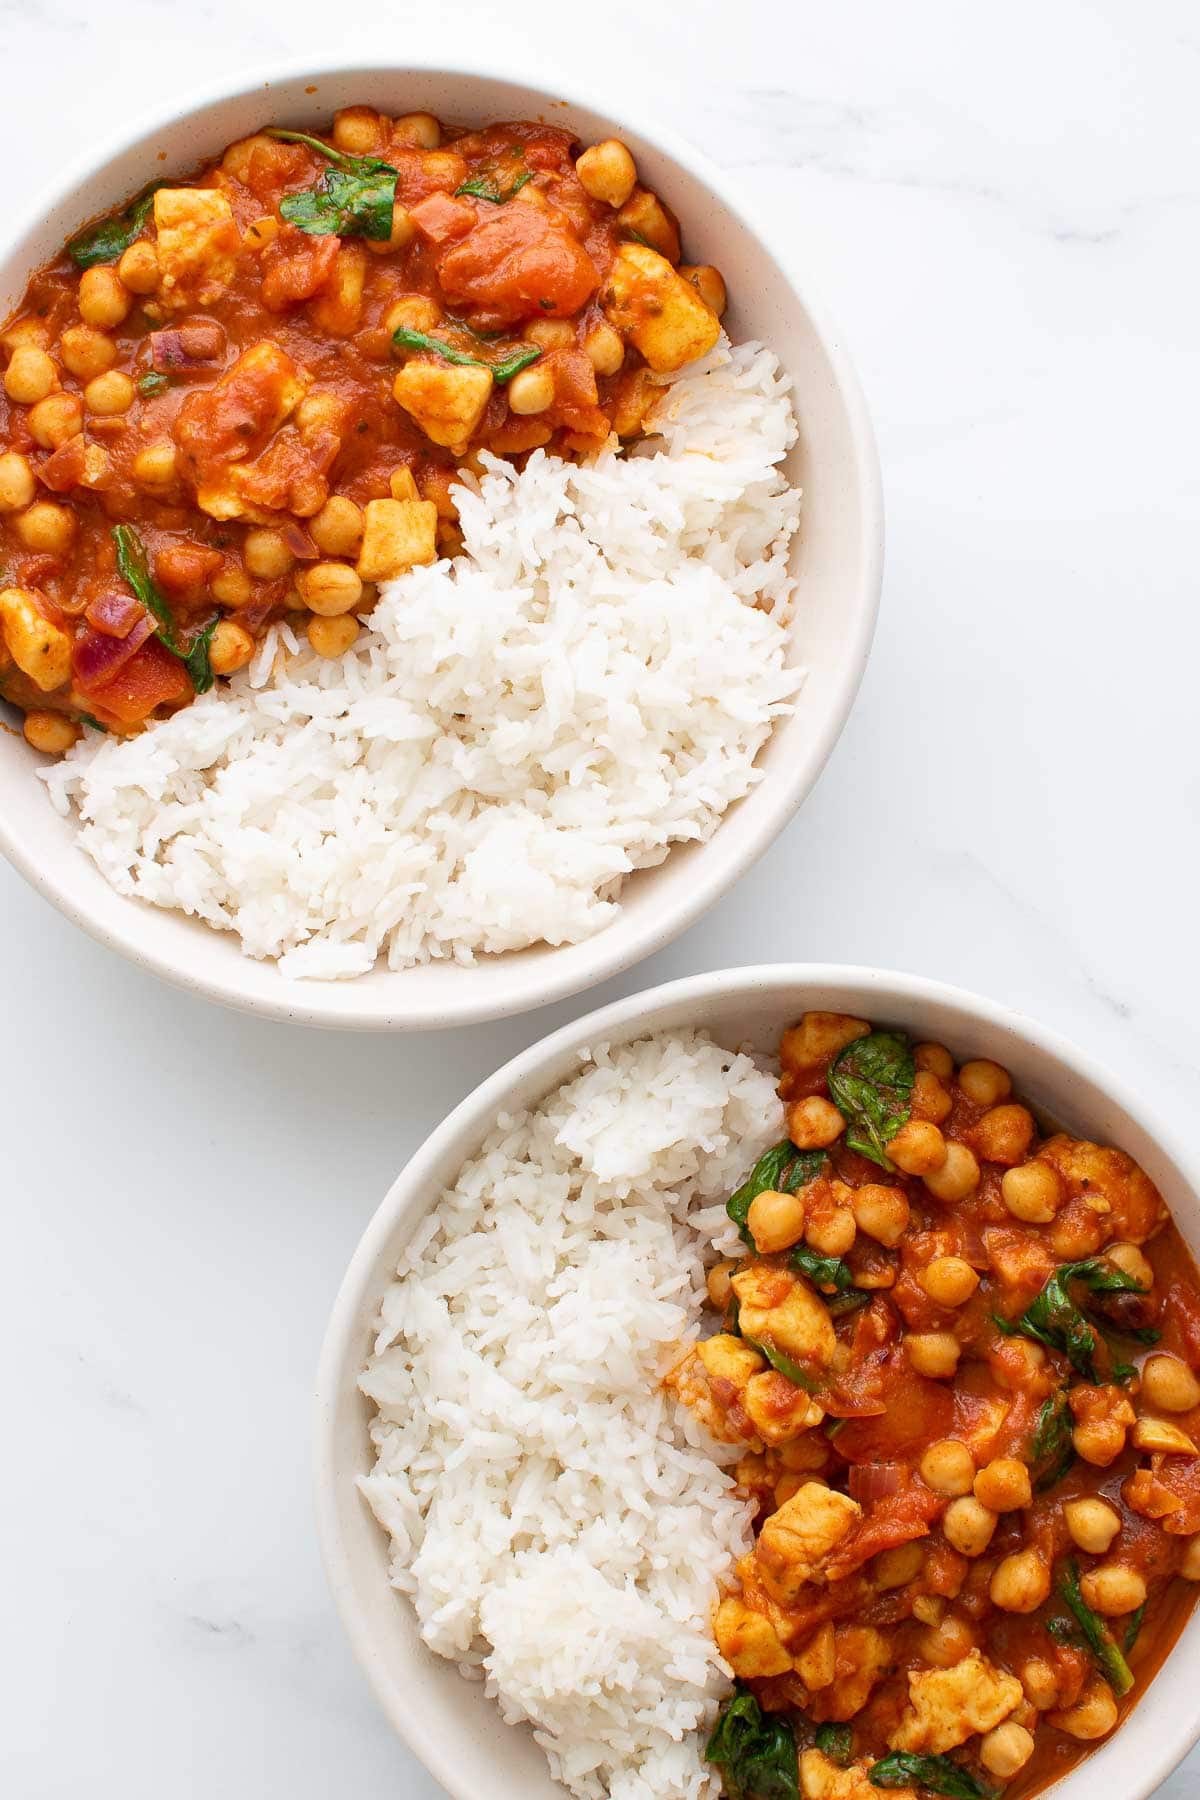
pixel 869 1482
pixel 97 658
pixel 114 614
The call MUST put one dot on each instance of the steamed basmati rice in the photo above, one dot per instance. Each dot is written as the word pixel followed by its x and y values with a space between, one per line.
pixel 561 1525
pixel 587 684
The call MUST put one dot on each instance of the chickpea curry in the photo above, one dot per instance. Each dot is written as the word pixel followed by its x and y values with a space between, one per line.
pixel 961 1352
pixel 247 395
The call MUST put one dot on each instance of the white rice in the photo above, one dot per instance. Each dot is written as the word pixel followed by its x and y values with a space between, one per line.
pixel 589 683
pixel 561 1525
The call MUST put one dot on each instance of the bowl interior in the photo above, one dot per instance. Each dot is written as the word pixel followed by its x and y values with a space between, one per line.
pixel 448 1721
pixel 837 559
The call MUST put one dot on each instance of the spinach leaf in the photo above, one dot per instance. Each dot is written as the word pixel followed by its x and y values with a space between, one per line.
pixel 1055 1320
pixel 501 371
pixel 835 1742
pixel 94 723
pixel 783 1169
pixel 105 242
pixel 153 383
pixel 134 566
pixel 778 1360
pixel 484 187
pixel 756 1754
pixel 1099 1639
pixel 871 1083
pixel 354 198
pixel 1133 1628
pixel 1051 1451
pixel 840 1306
pixel 823 1271
pixel 937 1773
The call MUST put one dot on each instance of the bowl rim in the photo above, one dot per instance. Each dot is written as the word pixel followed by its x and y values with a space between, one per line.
pixel 332 1004
pixel 887 991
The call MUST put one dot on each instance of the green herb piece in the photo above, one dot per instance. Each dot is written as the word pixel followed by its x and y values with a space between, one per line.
pixel 1123 1373
pixel 627 231
pixel 105 242
pixel 1055 1320
pixel 823 1271
pixel 94 723
pixel 840 1306
pixel 501 371
pixel 782 1169
pixel 1051 1451
pixel 1145 1334
pixel 482 187
pixel 835 1742
pixel 755 1753
pixel 1099 1639
pixel 354 198
pixel 779 1360
pixel 134 566
pixel 153 383
pixel 937 1773
pixel 871 1083
pixel 1133 1628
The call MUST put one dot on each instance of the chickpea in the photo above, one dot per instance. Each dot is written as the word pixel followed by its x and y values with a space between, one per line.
pixel 1040 1683
pixel 17 484
pixel 1031 1192
pixel 1004 1485
pixel 266 554
pixel 1130 1259
pixel 718 1284
pixel 948 1468
pixel 25 331
pixel 446 168
pixel 418 131
pixel 30 375
pixel 86 352
pixel 402 484
pixel 231 586
pixel 109 394
pixel 896 1568
pixel 918 1148
pixel 958 1176
pixel 156 467
pixel 51 732
pixel 551 334
pixel 1005 1750
pixel 967 1525
pixel 104 300
pixel 330 588
pixel 1077 1231
pixel 1162 1438
pixel 831 1232
pixel 1092 1523
pixel 532 391
pixel 984 1082
pixel 332 637
pixel 882 1212
pixel 930 1100
pixel 398 238
pixel 46 527
pixel 1020 1582
pixel 934 1354
pixel 1189 1566
pixel 949 1280
pixel 607 172
pixel 709 283
pixel 338 527
pixel 55 420
pixel 1098 1441
pixel 946 1643
pixel 230 648
pixel 936 1058
pixel 1004 1134
pixel 1093 1715
pixel 1168 1385
pixel 358 130
pixel 776 1221
pixel 138 268
pixel 814 1123
pixel 605 349
pixel 414 312
pixel 928 1609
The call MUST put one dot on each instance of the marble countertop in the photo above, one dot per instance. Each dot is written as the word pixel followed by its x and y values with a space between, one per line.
pixel 1002 209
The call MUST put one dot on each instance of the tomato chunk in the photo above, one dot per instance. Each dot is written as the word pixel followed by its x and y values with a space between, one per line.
pixel 519 264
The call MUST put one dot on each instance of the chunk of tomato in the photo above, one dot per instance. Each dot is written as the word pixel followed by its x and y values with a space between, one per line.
pixel 520 263
pixel 152 677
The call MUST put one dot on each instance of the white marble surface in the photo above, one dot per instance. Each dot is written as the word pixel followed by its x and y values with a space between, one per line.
pixel 1002 207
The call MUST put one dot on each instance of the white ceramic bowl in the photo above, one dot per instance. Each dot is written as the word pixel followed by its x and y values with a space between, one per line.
pixel 447 1721
pixel 838 558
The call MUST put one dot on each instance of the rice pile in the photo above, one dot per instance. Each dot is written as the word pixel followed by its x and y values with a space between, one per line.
pixel 560 1524
pixel 588 683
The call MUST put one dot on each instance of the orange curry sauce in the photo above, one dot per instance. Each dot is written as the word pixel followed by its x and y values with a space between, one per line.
pixel 224 378
pixel 931 1478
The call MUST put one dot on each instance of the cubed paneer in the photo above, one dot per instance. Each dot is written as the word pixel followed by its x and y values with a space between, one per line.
pixel 821 1779
pixel 1132 1206
pixel 795 1541
pixel 779 1307
pixel 397 535
pixel 947 1706
pixel 729 1360
pixel 39 648
pixel 747 1641
pixel 657 309
pixel 815 1662
pixel 445 400
pixel 197 245
pixel 645 214
pixel 337 307
pixel 778 1409
pixel 861 1660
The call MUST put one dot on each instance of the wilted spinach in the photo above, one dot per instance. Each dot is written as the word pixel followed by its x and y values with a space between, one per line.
pixel 782 1169
pixel 823 1271
pixel 1098 1637
pixel 501 371
pixel 870 1083
pixel 1051 1451
pixel 835 1742
pixel 756 1754
pixel 134 566
pixel 937 1773
pixel 354 198
pixel 110 238
pixel 1055 1319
